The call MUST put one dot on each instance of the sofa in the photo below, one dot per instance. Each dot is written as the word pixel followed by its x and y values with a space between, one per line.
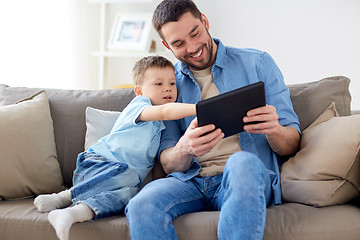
pixel 70 129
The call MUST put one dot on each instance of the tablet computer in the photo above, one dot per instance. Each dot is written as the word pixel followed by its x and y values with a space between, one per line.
pixel 227 110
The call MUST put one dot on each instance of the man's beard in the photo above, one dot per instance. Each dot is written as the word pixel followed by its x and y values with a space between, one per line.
pixel 208 62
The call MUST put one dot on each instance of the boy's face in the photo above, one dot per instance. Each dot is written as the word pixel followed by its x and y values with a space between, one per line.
pixel 189 40
pixel 159 85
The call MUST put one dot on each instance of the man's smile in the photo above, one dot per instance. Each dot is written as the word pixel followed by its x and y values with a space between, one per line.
pixel 198 54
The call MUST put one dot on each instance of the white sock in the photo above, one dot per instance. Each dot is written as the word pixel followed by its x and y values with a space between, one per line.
pixel 49 202
pixel 62 219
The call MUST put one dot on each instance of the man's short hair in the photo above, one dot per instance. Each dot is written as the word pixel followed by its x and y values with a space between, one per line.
pixel 147 62
pixel 171 10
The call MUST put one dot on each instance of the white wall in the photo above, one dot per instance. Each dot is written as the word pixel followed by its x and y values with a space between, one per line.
pixel 308 39
pixel 118 70
pixel 49 43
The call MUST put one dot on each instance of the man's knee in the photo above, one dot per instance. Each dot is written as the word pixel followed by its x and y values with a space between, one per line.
pixel 136 208
pixel 244 166
pixel 243 160
pixel 144 202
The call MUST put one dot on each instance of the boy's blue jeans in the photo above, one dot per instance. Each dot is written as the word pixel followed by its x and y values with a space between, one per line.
pixel 242 193
pixel 105 186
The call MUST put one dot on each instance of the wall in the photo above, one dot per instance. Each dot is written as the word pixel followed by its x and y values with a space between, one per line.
pixel 49 43
pixel 308 39
pixel 118 70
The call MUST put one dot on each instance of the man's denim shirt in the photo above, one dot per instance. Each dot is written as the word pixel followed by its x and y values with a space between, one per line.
pixel 235 68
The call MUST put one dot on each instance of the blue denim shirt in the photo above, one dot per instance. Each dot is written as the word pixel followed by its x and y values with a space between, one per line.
pixel 235 68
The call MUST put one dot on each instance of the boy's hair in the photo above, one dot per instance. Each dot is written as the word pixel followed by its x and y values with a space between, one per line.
pixel 147 62
pixel 171 10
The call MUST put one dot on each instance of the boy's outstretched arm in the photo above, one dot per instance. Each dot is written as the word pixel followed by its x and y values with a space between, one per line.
pixel 168 111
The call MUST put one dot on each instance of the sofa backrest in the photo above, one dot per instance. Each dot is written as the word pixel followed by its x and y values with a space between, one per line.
pixel 311 99
pixel 68 110
pixel 68 113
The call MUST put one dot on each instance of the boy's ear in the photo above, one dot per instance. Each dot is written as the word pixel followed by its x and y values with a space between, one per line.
pixel 165 44
pixel 138 90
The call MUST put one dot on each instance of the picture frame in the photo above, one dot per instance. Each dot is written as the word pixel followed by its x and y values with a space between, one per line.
pixel 131 32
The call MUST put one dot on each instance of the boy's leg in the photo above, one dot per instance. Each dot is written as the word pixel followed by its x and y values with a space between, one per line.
pixel 97 175
pixel 93 175
pixel 244 198
pixel 49 202
pixel 62 219
pixel 109 190
pixel 110 203
pixel 101 205
pixel 151 212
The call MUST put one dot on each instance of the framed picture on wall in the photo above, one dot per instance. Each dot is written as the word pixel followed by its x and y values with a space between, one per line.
pixel 131 32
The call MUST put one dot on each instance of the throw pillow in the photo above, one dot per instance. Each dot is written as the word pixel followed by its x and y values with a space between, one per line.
pixel 98 124
pixel 28 160
pixel 323 92
pixel 326 169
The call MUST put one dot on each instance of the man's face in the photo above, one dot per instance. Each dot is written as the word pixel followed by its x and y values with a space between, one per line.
pixel 190 41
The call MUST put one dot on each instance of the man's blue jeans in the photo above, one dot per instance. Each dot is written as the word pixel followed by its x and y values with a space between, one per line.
pixel 242 193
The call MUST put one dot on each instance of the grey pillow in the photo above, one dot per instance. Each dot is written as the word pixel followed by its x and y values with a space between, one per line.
pixel 311 99
pixel 68 113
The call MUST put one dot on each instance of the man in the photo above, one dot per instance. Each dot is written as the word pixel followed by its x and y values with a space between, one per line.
pixel 237 175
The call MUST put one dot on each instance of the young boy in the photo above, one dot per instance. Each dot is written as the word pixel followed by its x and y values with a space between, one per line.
pixel 110 172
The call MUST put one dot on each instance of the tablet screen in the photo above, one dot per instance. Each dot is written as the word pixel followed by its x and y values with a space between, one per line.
pixel 227 110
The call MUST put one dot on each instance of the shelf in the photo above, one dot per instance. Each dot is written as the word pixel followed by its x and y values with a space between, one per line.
pixel 102 52
pixel 139 54
pixel 118 1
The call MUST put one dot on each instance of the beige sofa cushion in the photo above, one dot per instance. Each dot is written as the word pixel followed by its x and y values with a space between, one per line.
pixel 326 169
pixel 28 160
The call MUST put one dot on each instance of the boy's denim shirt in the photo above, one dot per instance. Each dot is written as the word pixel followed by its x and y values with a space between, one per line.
pixel 235 68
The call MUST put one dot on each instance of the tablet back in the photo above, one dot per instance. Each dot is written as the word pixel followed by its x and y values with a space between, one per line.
pixel 227 110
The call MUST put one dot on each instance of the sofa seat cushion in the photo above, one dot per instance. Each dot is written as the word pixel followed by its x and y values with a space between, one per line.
pixel 301 222
pixel 20 220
